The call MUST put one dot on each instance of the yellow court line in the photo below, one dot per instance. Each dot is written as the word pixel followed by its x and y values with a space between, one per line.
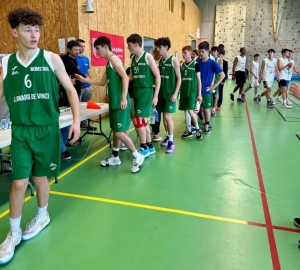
pixel 151 207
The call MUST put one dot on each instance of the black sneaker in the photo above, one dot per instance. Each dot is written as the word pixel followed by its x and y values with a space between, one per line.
pixel 186 135
pixel 232 96
pixel 270 104
pixel 65 155
pixel 198 135
pixel 258 99
pixel 240 100
pixel 297 222
pixel 255 99
pixel 207 129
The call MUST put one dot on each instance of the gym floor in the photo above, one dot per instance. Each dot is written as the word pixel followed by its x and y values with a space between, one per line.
pixel 226 202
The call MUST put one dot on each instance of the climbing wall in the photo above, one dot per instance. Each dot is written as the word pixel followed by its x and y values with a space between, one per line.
pixel 230 27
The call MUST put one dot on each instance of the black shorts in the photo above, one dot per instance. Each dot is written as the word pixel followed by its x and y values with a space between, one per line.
pixel 284 83
pixel 240 77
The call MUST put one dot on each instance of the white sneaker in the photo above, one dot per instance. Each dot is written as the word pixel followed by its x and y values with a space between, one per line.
pixel 123 147
pixel 279 99
pixel 35 226
pixel 285 105
pixel 137 163
pixel 7 248
pixel 111 161
pixel 288 102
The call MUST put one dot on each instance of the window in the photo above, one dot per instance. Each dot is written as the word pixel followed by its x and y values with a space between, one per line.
pixel 148 45
pixel 182 10
pixel 171 5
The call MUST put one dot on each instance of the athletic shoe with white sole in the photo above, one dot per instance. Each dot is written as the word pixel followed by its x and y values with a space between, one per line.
pixel 123 147
pixel 111 161
pixel 7 248
pixel 144 152
pixel 137 163
pixel 287 106
pixel 35 226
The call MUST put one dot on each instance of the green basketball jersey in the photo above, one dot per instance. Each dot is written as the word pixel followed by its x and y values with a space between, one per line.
pixel 31 89
pixel 217 76
pixel 141 72
pixel 168 77
pixel 114 83
pixel 189 82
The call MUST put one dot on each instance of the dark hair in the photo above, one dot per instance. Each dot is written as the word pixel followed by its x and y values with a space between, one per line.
pixel 24 16
pixel 72 43
pixel 271 50
pixel 221 51
pixel 291 51
pixel 204 45
pixel 242 49
pixel 256 55
pixel 196 51
pixel 102 41
pixel 80 40
pixel 284 50
pixel 187 48
pixel 214 48
pixel 135 38
pixel 221 46
pixel 164 41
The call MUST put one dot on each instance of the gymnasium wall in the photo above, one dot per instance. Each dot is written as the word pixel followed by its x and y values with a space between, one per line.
pixel 60 18
pixel 148 18
pixel 259 36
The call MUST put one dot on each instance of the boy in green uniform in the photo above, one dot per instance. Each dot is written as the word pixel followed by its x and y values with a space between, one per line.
pixel 190 91
pixel 119 103
pixel 29 82
pixel 169 69
pixel 144 74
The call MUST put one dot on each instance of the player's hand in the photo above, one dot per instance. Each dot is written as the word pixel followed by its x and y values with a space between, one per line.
pixel 154 101
pixel 173 98
pixel 210 88
pixel 199 98
pixel 233 76
pixel 79 77
pixel 259 81
pixel 74 132
pixel 295 90
pixel 123 103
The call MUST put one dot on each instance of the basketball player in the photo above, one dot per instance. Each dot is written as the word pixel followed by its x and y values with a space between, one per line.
pixel 254 76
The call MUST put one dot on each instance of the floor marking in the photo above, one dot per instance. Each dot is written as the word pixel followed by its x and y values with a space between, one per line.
pixel 150 207
pixel 280 113
pixel 279 228
pixel 270 232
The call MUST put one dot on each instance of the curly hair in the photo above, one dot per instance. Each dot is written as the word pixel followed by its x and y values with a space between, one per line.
pixel 25 16
pixel 163 41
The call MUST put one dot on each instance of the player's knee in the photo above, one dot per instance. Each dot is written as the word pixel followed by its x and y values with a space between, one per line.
pixel 138 122
pixel 20 185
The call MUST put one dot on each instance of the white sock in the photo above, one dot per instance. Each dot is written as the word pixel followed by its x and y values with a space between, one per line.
pixel 42 211
pixel 15 224
pixel 284 101
pixel 171 138
pixel 135 154
pixel 188 120
pixel 116 149
pixel 167 134
pixel 197 126
pixel 213 109
pixel 255 95
pixel 240 96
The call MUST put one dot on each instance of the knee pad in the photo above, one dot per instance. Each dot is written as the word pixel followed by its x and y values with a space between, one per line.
pixel 144 122
pixel 139 122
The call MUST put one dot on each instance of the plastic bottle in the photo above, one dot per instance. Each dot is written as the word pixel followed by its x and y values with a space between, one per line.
pixel 197 107
pixel 152 116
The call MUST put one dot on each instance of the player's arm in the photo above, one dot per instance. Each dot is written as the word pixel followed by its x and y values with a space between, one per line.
pixel 65 81
pixel 1 84
pixel 280 66
pixel 261 71
pixel 251 70
pixel 220 62
pixel 178 78
pixel 117 64
pixel 199 85
pixel 100 82
pixel 156 74
pixel 233 67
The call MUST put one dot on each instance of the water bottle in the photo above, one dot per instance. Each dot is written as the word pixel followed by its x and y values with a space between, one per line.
pixel 197 107
pixel 156 116
pixel 152 116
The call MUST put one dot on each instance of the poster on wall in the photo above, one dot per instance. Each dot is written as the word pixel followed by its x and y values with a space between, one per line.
pixel 117 44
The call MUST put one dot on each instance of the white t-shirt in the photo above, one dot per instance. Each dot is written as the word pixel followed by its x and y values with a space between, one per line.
pixel 241 63
pixel 284 74
pixel 269 69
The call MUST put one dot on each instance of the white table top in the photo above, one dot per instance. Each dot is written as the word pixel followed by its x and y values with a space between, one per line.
pixel 65 120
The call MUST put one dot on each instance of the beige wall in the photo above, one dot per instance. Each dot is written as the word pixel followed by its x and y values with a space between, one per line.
pixel 149 18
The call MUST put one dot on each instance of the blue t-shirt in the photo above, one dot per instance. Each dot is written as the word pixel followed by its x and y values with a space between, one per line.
pixel 208 69
pixel 84 66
